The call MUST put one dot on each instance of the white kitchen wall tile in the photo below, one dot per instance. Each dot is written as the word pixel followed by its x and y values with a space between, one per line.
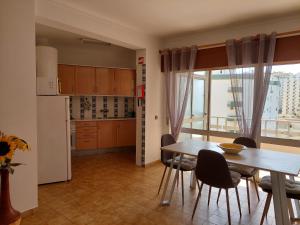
pixel 77 106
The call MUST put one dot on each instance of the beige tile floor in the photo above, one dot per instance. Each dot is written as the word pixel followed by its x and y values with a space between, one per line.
pixel 109 189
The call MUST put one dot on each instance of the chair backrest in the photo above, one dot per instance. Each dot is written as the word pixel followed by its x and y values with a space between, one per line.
pixel 248 142
pixel 166 139
pixel 212 169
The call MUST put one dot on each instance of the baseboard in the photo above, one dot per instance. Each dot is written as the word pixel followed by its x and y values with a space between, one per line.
pixel 28 212
pixel 78 152
pixel 152 163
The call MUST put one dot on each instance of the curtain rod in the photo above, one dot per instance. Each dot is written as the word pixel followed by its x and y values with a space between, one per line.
pixel 215 45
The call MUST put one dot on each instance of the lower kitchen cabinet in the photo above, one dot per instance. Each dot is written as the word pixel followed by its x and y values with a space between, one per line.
pixel 105 134
pixel 126 133
pixel 86 135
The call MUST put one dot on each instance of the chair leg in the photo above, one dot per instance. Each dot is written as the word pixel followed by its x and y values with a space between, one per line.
pixel 248 194
pixel 256 188
pixel 162 179
pixel 228 207
pixel 219 193
pixel 182 188
pixel 291 211
pixel 209 193
pixel 197 200
pixel 198 184
pixel 238 200
pixel 266 208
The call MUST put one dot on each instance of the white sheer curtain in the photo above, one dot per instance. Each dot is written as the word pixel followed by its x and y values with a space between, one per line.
pixel 250 61
pixel 178 68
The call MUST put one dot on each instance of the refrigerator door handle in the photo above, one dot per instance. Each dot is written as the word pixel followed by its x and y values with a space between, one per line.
pixel 68 137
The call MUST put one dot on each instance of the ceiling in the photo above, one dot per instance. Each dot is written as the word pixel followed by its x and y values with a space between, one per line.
pixel 164 18
pixel 52 36
pixel 56 36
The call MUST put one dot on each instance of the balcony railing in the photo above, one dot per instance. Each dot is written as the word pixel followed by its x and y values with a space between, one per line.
pixel 281 128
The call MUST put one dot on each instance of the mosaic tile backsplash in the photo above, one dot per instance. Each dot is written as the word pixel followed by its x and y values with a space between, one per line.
pixel 96 107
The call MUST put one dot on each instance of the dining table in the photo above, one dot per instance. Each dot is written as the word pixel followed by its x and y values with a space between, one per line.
pixel 279 164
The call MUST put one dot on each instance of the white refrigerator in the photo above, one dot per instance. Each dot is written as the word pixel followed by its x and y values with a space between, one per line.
pixel 54 139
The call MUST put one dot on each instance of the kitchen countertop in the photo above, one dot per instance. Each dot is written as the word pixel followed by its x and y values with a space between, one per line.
pixel 101 119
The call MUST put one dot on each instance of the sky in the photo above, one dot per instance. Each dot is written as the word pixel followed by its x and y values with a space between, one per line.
pixel 291 68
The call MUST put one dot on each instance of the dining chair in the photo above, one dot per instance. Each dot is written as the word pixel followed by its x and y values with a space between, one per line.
pixel 187 164
pixel 246 172
pixel 212 169
pixel 292 192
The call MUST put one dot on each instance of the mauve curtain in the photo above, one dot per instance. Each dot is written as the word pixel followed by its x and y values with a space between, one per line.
pixel 250 63
pixel 178 69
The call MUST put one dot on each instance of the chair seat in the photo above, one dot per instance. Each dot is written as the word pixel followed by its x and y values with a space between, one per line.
pixel 243 170
pixel 236 178
pixel 292 187
pixel 187 164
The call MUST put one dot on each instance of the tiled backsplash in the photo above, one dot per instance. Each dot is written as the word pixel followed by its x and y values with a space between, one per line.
pixel 94 107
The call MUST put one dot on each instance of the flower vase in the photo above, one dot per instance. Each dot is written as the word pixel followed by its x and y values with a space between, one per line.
pixel 8 215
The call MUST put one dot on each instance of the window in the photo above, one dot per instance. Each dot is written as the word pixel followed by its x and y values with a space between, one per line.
pixel 281 118
pixel 196 112
pixel 211 109
pixel 222 106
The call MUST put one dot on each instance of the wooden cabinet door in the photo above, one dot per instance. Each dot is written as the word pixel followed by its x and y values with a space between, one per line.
pixel 107 134
pixel 126 130
pixel 104 81
pixel 124 82
pixel 85 80
pixel 66 77
pixel 86 135
pixel 86 144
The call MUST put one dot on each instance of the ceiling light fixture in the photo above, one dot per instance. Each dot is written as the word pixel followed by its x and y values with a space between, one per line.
pixel 94 41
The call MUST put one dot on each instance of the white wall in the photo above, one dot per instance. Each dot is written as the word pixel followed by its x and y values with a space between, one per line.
pixel 18 94
pixel 60 16
pixel 219 35
pixel 92 55
pixel 154 107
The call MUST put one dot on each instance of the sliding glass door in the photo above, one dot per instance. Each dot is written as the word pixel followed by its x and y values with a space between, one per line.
pixel 196 115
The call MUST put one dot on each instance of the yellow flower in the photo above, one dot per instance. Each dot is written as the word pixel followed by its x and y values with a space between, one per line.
pixel 8 146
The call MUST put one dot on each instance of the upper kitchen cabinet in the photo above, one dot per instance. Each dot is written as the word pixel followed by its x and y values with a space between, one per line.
pixel 85 80
pixel 66 77
pixel 104 81
pixel 124 82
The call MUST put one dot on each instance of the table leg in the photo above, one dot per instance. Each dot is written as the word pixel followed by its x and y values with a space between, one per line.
pixel 279 199
pixel 163 201
pixel 291 210
pixel 193 180
pixel 176 175
pixel 296 202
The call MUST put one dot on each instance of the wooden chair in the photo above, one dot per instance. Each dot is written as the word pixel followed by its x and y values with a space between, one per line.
pixel 187 164
pixel 246 172
pixel 212 170
pixel 292 192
